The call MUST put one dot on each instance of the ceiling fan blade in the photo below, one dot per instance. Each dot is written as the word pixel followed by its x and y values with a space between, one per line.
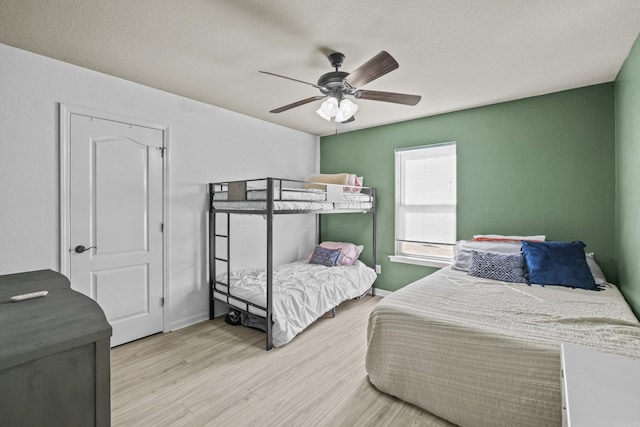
pixel 376 67
pixel 289 78
pixel 397 98
pixel 297 104
pixel 350 119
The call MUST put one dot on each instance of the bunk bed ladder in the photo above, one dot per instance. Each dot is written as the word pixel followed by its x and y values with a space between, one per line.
pixel 213 250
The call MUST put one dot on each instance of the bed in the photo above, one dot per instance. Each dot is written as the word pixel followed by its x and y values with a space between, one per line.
pixel 302 293
pixel 483 352
pixel 288 297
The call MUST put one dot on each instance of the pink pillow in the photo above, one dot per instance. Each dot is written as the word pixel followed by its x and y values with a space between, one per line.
pixel 349 252
pixel 353 185
pixel 501 238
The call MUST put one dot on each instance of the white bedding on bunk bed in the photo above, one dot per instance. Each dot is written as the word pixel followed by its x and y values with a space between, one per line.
pixel 480 352
pixel 302 292
pixel 296 194
pixel 294 199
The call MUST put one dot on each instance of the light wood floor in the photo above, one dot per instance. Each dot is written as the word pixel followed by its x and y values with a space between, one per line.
pixel 214 374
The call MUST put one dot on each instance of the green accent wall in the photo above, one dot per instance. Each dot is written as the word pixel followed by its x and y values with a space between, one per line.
pixel 627 102
pixel 541 165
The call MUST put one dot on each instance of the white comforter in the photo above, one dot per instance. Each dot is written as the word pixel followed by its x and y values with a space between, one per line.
pixel 480 352
pixel 302 292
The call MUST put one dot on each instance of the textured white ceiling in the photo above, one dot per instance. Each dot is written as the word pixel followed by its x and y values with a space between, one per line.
pixel 455 53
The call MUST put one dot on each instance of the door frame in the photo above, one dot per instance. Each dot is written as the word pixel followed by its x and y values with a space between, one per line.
pixel 65 112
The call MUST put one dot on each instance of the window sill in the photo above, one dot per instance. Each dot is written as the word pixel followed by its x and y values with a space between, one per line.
pixel 438 263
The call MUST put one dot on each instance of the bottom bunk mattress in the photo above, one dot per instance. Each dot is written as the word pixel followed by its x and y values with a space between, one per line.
pixel 302 292
pixel 480 352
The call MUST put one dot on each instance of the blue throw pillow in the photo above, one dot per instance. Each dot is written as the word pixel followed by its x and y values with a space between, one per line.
pixel 558 263
pixel 324 256
pixel 503 267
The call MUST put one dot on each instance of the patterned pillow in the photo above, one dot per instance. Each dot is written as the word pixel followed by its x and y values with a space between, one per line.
pixel 462 251
pixel 324 256
pixel 503 267
pixel 349 252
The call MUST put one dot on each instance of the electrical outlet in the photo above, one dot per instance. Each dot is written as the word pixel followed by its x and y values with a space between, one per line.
pixel 378 269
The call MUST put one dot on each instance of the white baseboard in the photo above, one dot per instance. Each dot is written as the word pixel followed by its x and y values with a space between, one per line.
pixel 183 323
pixel 382 292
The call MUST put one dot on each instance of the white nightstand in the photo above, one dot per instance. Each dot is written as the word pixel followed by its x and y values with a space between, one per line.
pixel 599 389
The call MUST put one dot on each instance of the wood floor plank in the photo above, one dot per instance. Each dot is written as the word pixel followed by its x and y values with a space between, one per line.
pixel 213 374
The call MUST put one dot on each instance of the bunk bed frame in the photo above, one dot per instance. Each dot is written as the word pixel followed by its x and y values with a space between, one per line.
pixel 266 204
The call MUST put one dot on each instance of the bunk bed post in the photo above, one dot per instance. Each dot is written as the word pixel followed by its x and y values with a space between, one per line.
pixel 373 211
pixel 212 251
pixel 228 250
pixel 318 229
pixel 269 319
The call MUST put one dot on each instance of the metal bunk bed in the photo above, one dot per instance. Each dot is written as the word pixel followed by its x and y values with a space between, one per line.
pixel 269 197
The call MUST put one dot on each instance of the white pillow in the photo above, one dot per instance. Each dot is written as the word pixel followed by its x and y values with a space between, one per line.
pixel 462 251
pixel 500 237
pixel 596 272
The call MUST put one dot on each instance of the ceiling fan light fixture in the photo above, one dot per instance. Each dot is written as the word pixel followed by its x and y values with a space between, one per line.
pixel 346 111
pixel 328 109
pixel 322 114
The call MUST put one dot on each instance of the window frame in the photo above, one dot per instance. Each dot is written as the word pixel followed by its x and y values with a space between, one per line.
pixel 409 257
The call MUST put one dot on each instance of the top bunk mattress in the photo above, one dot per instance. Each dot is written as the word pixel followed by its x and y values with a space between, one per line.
pixel 483 352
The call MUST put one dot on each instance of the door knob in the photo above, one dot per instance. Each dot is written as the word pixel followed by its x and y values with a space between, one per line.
pixel 80 249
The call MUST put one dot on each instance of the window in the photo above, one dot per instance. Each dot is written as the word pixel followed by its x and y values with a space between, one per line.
pixel 425 204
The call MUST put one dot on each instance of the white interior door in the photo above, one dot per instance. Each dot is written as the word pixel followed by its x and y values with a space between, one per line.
pixel 115 192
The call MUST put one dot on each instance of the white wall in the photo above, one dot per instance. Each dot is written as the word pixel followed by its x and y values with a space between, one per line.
pixel 206 144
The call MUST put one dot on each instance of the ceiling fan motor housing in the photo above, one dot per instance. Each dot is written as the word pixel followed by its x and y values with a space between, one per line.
pixel 331 82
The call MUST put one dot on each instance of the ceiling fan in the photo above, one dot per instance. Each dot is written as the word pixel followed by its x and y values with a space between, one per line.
pixel 336 85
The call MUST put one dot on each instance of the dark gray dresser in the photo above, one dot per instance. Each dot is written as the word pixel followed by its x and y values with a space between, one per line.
pixel 54 355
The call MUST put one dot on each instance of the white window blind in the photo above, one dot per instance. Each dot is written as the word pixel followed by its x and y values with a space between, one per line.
pixel 426 194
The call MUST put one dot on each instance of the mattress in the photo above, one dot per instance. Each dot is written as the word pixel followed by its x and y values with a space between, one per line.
pixel 480 352
pixel 291 199
pixel 302 292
